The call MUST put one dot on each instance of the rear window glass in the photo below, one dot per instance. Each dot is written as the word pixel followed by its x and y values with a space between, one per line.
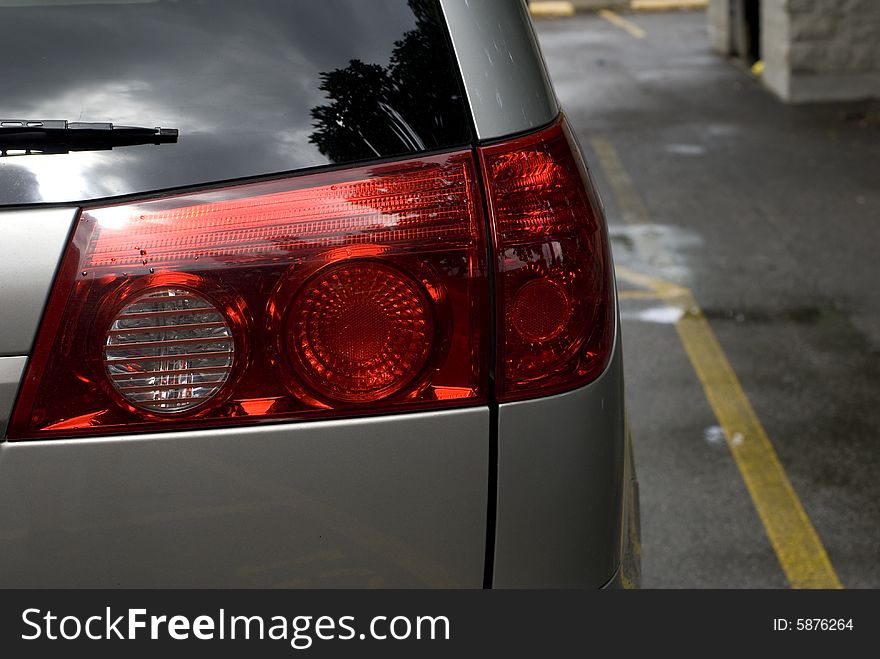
pixel 253 88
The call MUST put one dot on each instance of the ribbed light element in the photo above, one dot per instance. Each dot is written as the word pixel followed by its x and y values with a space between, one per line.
pixel 169 351
pixel 404 209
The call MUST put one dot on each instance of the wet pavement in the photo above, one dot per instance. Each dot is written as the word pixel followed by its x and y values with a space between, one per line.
pixel 770 215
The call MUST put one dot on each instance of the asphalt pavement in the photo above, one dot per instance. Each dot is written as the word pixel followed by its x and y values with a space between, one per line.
pixel 769 216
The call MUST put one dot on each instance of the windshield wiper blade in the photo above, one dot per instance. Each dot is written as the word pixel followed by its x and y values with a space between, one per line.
pixel 40 136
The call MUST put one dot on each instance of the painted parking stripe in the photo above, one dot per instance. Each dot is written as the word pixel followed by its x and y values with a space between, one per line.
pixel 667 5
pixel 792 535
pixel 551 8
pixel 622 23
pixel 794 539
pixel 638 295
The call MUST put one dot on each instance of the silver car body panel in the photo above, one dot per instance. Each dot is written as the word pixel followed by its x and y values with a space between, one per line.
pixel 11 370
pixel 33 241
pixel 560 475
pixel 388 501
pixel 501 64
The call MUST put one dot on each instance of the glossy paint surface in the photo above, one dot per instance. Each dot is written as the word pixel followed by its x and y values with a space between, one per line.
pixel 560 486
pixel 11 369
pixel 393 501
pixel 30 249
pixel 507 85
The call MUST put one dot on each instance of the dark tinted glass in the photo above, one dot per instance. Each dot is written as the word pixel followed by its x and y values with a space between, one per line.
pixel 254 88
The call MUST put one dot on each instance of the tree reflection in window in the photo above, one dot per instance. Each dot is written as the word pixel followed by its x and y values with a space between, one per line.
pixel 414 104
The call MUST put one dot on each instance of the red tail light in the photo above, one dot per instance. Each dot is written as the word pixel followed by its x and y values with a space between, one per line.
pixel 358 331
pixel 554 286
pixel 354 292
pixel 337 293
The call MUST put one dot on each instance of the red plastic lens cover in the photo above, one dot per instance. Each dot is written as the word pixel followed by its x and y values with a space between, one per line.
pixel 337 293
pixel 350 292
pixel 554 280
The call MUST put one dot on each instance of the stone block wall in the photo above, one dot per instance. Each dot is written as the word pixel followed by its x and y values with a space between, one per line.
pixel 813 50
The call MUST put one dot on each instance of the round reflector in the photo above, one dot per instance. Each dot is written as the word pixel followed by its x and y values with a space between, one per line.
pixel 168 351
pixel 360 331
pixel 540 310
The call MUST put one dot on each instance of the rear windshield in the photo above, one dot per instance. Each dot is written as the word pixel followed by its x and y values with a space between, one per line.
pixel 256 87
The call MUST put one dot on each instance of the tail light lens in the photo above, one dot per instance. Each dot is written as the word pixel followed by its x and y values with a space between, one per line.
pixel 337 293
pixel 359 331
pixel 169 350
pixel 354 292
pixel 554 281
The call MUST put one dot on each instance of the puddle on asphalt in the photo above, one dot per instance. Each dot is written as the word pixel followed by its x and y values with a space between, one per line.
pixel 657 249
pixel 714 435
pixel 722 130
pixel 803 315
pixel 686 149
pixel 664 315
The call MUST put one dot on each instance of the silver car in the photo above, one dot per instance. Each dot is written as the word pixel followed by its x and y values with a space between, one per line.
pixel 302 294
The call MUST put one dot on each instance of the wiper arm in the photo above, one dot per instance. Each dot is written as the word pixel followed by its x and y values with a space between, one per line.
pixel 29 137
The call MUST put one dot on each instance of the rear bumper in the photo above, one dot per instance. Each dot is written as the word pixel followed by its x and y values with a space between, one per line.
pixel 629 572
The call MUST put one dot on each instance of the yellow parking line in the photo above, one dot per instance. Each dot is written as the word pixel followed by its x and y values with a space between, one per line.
pixel 791 533
pixel 794 539
pixel 622 23
pixel 667 5
pixel 632 208
pixel 551 8
pixel 658 287
pixel 639 295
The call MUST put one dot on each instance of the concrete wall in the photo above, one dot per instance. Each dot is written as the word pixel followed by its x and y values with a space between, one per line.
pixel 720 38
pixel 835 49
pixel 813 50
pixel 775 47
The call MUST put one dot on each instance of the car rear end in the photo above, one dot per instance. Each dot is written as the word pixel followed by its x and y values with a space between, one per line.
pixel 355 325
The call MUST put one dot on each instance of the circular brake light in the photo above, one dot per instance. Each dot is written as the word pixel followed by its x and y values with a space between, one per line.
pixel 169 351
pixel 359 331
